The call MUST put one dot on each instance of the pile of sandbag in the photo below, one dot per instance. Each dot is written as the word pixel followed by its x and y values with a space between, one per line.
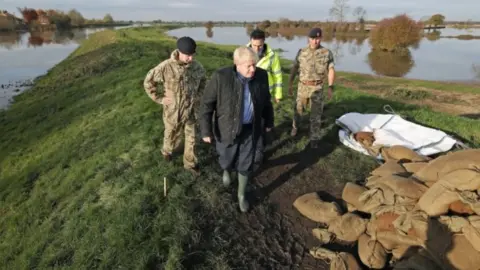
pixel 413 213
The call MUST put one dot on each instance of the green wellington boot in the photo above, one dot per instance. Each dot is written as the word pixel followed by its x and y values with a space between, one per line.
pixel 226 178
pixel 242 185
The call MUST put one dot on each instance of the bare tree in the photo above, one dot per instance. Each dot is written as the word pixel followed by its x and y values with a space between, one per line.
pixel 360 14
pixel 339 10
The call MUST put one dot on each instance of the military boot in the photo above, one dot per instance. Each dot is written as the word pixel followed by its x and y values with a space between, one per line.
pixel 242 185
pixel 226 178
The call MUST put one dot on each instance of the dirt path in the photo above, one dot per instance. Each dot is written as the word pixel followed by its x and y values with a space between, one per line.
pixel 457 103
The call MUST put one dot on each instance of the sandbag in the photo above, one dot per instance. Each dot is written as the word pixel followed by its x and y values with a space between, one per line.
pixel 399 207
pixel 463 159
pixel 472 231
pixel 469 226
pixel 401 153
pixel 392 240
pixel 404 251
pixel 461 255
pixel 470 198
pixel 351 193
pixel 348 227
pixel 413 167
pixel 437 199
pixel 351 208
pixel 384 222
pixel 311 206
pixel 375 197
pixel 414 223
pixel 337 260
pixel 462 179
pixel 460 208
pixel 404 186
pixel 389 168
pixel 364 138
pixel 371 252
pixel 323 235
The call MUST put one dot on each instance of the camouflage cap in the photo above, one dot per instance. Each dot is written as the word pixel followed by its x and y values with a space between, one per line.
pixel 186 45
pixel 315 32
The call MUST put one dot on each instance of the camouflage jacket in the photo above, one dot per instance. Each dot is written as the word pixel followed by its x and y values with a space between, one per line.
pixel 313 64
pixel 184 83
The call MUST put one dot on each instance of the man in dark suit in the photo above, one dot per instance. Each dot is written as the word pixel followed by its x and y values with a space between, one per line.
pixel 239 96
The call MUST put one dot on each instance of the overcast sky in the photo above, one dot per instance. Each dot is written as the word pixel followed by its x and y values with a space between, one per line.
pixel 250 9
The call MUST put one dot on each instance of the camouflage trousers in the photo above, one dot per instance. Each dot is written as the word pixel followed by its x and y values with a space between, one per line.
pixel 309 97
pixel 172 137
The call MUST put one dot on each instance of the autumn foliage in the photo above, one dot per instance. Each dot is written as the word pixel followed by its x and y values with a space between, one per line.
pixel 58 18
pixel 29 15
pixel 396 34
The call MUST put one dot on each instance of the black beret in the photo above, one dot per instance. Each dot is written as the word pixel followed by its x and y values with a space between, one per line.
pixel 315 32
pixel 257 34
pixel 186 45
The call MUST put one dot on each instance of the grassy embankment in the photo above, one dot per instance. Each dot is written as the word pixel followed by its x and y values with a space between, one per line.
pixel 81 180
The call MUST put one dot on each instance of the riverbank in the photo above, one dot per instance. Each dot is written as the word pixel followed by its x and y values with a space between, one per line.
pixel 81 180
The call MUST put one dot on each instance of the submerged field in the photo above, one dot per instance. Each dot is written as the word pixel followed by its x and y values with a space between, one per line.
pixel 81 173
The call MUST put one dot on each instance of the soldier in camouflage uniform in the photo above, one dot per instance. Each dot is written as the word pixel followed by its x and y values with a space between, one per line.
pixel 314 63
pixel 183 81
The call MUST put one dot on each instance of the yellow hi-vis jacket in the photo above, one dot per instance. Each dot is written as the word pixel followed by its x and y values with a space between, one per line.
pixel 271 63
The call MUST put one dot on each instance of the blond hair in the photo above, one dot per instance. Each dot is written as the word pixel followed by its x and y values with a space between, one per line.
pixel 244 53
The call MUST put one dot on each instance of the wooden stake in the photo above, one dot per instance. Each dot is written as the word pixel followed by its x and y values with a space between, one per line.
pixel 164 186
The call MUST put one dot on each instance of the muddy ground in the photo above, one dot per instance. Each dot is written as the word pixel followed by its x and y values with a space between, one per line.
pixel 459 103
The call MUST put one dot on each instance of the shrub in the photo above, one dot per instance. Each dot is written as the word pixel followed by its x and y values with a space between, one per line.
pixel 397 33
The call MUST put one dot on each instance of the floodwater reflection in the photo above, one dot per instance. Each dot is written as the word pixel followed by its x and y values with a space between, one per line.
pixel 433 58
pixel 391 64
pixel 209 33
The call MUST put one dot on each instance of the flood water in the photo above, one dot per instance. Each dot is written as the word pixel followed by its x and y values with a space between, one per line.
pixel 25 56
pixel 444 59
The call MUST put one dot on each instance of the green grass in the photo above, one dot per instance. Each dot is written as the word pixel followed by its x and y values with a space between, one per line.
pixel 81 173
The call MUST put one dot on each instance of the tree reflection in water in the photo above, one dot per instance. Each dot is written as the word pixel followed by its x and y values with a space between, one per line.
pixel 391 64
pixel 9 39
pixel 433 36
pixel 209 33
pixel 37 39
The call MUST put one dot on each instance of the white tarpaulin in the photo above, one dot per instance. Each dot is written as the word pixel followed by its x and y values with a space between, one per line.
pixel 391 129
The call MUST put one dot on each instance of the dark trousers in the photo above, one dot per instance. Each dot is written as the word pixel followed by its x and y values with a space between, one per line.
pixel 239 155
pixel 263 140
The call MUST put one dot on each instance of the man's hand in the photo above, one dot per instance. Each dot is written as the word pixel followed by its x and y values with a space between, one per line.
pixel 330 92
pixel 277 100
pixel 268 129
pixel 207 139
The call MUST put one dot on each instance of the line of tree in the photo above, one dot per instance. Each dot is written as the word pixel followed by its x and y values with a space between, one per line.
pixel 60 19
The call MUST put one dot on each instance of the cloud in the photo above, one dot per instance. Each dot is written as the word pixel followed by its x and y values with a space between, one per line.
pixel 250 9
pixel 181 5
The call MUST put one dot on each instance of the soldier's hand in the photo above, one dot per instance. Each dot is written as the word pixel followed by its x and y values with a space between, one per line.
pixel 167 101
pixel 277 100
pixel 207 139
pixel 330 92
pixel 290 91
pixel 268 129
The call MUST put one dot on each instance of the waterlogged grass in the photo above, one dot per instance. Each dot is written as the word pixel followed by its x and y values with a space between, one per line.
pixel 81 173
